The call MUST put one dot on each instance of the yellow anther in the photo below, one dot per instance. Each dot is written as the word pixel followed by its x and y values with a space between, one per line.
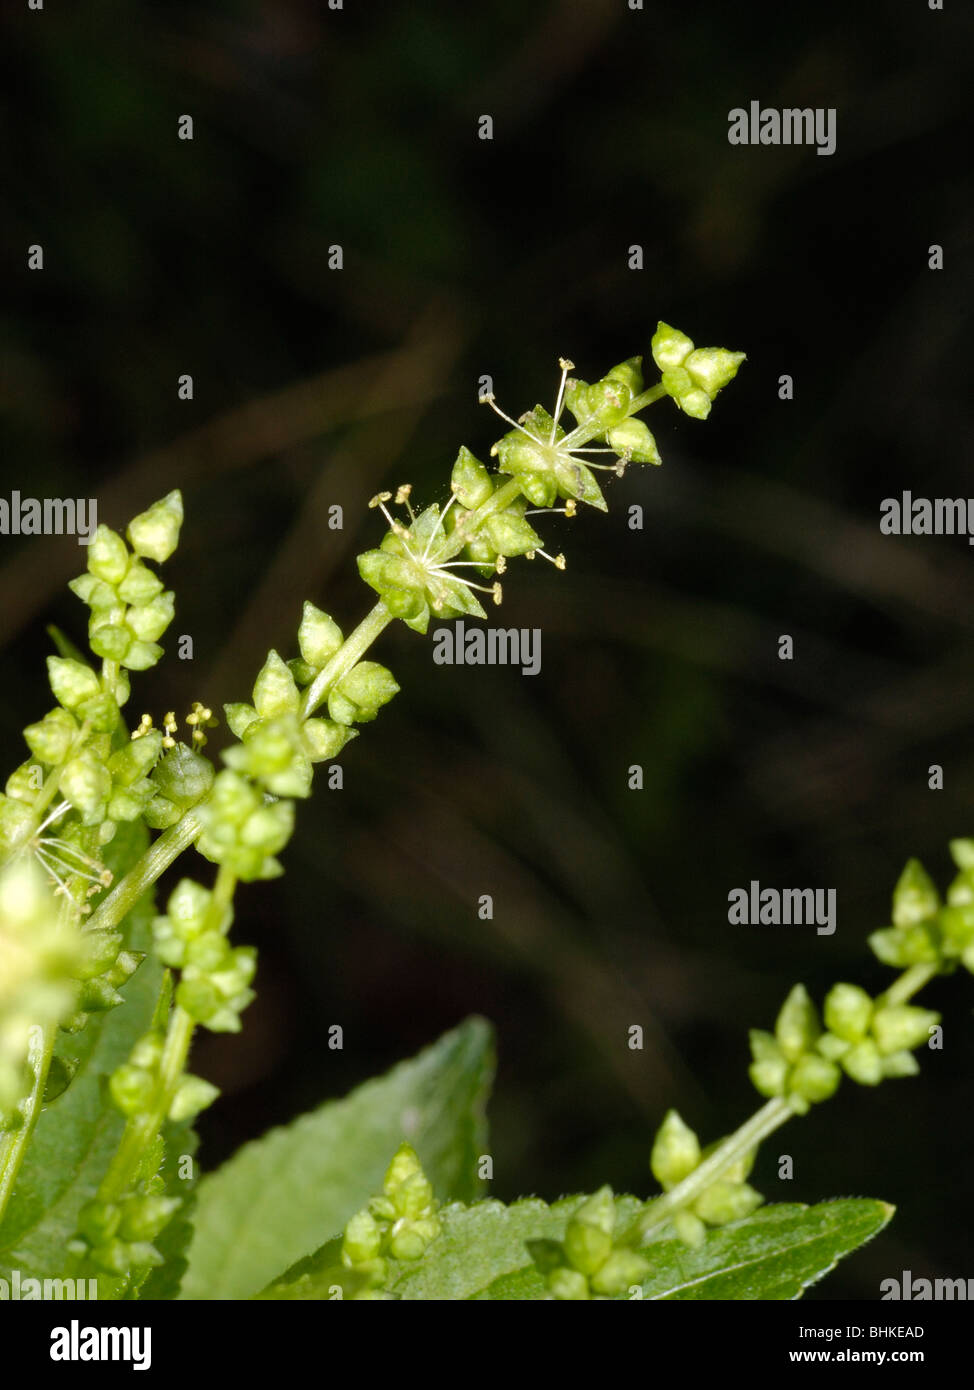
pixel 145 724
pixel 379 498
pixel 566 364
pixel 570 507
pixel 498 594
pixel 560 562
pixel 529 555
pixel 501 564
pixel 403 493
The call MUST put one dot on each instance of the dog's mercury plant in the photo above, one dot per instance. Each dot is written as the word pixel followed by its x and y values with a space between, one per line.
pixel 92 784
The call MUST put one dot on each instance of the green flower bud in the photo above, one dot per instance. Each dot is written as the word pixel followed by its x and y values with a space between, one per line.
pixel 70 681
pixel 358 697
pixel 140 585
pixel 896 1064
pixel 16 825
pixel 141 656
pixel 797 1025
pixel 362 1240
pixel 769 1070
pixel 86 783
pixel 588 1236
pixel 864 1063
pixel 148 1050
pixel 902 1026
pixel 689 1228
pixel 98 1221
pixel 575 480
pixel 24 783
pixel 319 636
pixel 848 1010
pixel 962 853
pixel 101 711
pixel 275 690
pixel 273 753
pixel 957 926
pixel 239 718
pixel 608 400
pixel 576 398
pixel 110 640
pixel 676 1151
pixel 60 1074
pixel 51 739
pixel 108 556
pixel 914 898
pixel 183 776
pixel 300 670
pixel 888 946
pixel 98 996
pixel 150 621
pixel 633 438
pixel 155 533
pixel 126 964
pixel 695 403
pixel 407 1244
pixel 131 1088
pixel 832 1046
pixel 712 368
pixel 670 347
pixel 470 480
pixel 814 1078
pixel 726 1201
pixel 630 373
pixel 136 760
pixel 98 952
pixel 188 906
pixel 144 1217
pixel 568 1285
pixel 324 739
pixel 405 1166
pixel 193 1094
pixel 95 592
pixel 621 1270
pixel 511 535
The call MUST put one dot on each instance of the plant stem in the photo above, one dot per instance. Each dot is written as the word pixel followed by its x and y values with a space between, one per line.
pixel 351 650
pixel 14 1145
pixel 735 1147
pixel 909 983
pixel 145 871
pixel 142 1128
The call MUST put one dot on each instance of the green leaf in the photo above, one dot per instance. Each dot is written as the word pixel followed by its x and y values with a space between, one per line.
pixel 284 1194
pixel 78 1133
pixel 774 1254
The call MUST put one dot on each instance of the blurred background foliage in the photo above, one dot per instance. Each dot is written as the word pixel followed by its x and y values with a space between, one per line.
pixel 315 387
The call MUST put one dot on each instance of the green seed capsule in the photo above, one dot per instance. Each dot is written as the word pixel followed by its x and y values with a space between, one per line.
pixel 797 1025
pixel 902 1026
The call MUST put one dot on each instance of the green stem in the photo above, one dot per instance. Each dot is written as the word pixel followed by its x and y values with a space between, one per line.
pixel 145 871
pixel 142 1128
pixel 909 983
pixel 350 652
pixel 735 1147
pixel 14 1146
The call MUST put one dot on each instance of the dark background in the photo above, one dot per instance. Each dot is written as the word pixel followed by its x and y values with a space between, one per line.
pixel 315 386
